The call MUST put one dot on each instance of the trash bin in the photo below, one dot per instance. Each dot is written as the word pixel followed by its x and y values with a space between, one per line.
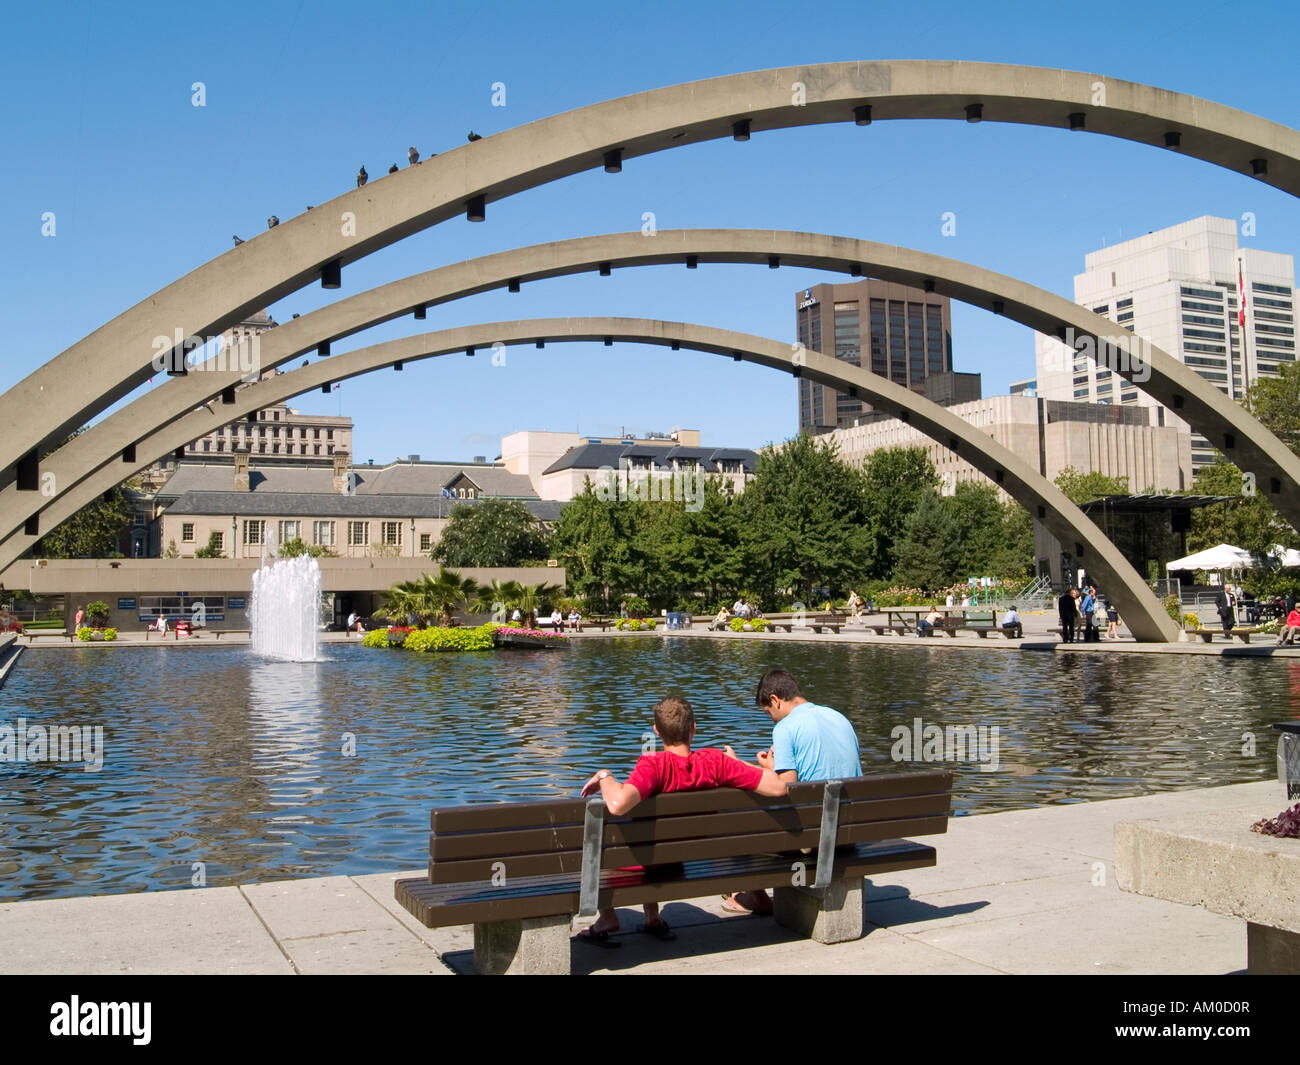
pixel 676 620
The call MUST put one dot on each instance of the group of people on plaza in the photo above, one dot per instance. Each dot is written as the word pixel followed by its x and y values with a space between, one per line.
pixel 557 619
pixel 743 610
pixel 1012 626
pixel 1078 610
pixel 809 742
pixel 1290 615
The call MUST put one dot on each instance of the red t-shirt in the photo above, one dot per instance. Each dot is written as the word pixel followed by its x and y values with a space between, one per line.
pixel 705 768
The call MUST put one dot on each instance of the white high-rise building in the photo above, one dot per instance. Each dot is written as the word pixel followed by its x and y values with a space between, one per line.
pixel 1177 289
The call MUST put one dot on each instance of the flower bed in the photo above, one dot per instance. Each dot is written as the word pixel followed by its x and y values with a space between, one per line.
pixel 635 624
pixel 479 638
pixel 512 636
pixel 752 625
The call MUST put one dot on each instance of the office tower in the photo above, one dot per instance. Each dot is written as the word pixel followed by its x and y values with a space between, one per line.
pixel 897 331
pixel 1178 289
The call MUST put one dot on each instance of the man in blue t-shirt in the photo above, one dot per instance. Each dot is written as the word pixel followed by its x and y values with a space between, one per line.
pixel 809 742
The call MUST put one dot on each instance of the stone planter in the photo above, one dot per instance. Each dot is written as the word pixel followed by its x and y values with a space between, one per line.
pixel 1217 862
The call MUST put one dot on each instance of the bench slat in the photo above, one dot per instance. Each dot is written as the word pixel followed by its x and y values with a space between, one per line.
pixel 664 829
pixel 438 906
pixel 552 812
pixel 570 861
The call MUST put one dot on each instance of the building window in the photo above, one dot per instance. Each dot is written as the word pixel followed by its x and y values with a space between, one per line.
pixel 358 533
pixel 426 543
pixel 290 530
pixel 392 532
pixel 219 541
pixel 322 533
pixel 253 531
pixel 187 532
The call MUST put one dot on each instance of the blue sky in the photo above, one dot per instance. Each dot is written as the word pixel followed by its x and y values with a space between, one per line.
pixel 98 127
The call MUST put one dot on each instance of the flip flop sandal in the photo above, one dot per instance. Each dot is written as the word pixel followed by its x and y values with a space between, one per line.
pixel 660 931
pixel 597 939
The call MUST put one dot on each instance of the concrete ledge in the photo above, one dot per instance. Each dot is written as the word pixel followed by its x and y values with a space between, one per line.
pixel 1214 860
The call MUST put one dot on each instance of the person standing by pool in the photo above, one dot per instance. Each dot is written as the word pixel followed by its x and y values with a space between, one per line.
pixel 78 619
pixel 1088 608
pixel 809 742
pixel 1067 612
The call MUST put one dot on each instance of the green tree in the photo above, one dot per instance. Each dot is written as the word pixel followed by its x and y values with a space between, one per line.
pixel 895 482
pixel 805 520
pixel 995 538
pixel 95 531
pixel 929 553
pixel 491 532
pixel 1248 520
pixel 430 597
pixel 715 543
pixel 1275 401
pixel 295 546
pixel 1083 487
pixel 593 541
pixel 212 549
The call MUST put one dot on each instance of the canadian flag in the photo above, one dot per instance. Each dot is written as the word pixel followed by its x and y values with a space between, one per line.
pixel 1241 298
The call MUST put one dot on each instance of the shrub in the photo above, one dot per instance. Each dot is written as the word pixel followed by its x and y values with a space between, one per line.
pixel 755 624
pixel 1191 622
pixel 460 639
pixel 635 624
pixel 1174 607
pixel 84 632
pixel 637 607
pixel 375 638
pixel 97 613
pixel 110 634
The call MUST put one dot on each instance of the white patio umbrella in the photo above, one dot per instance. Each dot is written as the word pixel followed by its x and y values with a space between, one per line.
pixel 1286 556
pixel 1221 557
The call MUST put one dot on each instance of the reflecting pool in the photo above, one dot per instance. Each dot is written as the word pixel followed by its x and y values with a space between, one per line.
pixel 239 769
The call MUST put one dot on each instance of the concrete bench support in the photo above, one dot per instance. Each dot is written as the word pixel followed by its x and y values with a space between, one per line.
pixel 835 917
pixel 533 946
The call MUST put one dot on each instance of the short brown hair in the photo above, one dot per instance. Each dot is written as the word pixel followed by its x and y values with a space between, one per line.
pixel 675 720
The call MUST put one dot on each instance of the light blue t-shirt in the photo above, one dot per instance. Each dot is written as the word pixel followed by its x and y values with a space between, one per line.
pixel 818 743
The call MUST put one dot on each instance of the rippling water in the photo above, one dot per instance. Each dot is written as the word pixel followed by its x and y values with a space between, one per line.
pixel 215 756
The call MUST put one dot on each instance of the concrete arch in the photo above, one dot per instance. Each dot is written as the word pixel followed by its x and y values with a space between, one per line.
pixel 1143 612
pixel 75 386
pixel 91 463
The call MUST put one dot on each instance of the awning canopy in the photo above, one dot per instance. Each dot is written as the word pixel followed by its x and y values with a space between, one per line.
pixel 1221 557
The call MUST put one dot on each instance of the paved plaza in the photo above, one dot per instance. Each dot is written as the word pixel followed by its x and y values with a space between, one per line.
pixel 1030 891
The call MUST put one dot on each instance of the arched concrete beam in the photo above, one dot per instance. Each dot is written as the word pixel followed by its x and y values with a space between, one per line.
pixel 74 387
pixel 1204 407
pixel 1145 616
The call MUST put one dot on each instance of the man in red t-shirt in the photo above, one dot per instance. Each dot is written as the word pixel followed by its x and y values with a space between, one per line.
pixel 675 768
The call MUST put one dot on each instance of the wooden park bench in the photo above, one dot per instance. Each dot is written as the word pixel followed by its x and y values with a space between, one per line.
pixel 1243 635
pixel 48 632
pixel 834 624
pixel 218 633
pixel 519 872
